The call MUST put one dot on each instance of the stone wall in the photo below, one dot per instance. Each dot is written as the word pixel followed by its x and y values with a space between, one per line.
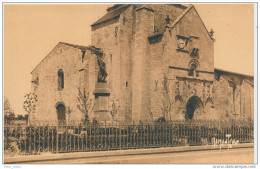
pixel 107 38
pixel 69 59
pixel 233 101
pixel 165 53
pixel 137 67
pixel 127 49
pixel 161 11
pixel 191 25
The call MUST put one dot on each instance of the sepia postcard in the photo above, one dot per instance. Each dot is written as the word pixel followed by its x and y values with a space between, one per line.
pixel 129 83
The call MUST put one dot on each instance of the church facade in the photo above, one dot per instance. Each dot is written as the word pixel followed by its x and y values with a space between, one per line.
pixel 144 62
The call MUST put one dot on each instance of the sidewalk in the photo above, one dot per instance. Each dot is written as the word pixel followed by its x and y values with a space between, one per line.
pixel 97 154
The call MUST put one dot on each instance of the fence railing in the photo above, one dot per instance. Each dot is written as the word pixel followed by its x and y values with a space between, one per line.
pixel 32 140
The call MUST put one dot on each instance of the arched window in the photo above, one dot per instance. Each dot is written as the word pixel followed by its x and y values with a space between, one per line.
pixel 60 80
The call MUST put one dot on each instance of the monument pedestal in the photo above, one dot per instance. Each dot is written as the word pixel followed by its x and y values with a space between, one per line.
pixel 101 109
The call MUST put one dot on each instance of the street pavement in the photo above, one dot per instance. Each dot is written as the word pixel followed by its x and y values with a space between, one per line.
pixel 224 156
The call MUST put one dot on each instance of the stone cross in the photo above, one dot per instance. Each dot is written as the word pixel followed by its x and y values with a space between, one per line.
pixel 168 19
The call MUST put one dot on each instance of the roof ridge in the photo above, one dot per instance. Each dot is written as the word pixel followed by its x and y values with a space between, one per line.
pixel 184 13
pixel 116 6
pixel 75 46
pixel 227 78
pixel 227 71
pixel 112 14
pixel 181 15
pixel 68 44
pixel 249 82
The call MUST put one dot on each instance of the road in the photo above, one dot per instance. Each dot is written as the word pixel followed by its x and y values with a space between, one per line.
pixel 231 156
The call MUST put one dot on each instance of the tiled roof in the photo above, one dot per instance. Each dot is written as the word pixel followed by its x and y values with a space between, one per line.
pixel 220 71
pixel 112 14
pixel 116 10
pixel 237 78
pixel 76 46
pixel 114 7
pixel 93 49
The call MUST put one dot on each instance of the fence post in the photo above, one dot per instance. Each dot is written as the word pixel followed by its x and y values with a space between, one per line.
pixel 109 137
pixel 52 139
pixel 86 137
pixel 78 138
pixel 39 135
pixel 127 131
pixel 43 138
pixel 48 139
pixel 94 137
pixel 34 138
pixel 57 140
pixel 220 137
pixel 120 144
pixel 105 135
pixel 134 133
pixel 90 138
pixel 82 140
pixel 20 139
pixel 116 135
pixel 138 135
pixel 25 139
pixel 66 138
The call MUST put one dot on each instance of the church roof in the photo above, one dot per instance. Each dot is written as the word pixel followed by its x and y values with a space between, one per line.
pixel 112 13
pixel 221 71
pixel 76 46
pixel 90 48
pixel 181 16
pixel 236 78
pixel 83 48
pixel 116 10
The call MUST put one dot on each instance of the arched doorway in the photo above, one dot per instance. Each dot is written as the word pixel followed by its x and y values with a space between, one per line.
pixel 61 114
pixel 194 104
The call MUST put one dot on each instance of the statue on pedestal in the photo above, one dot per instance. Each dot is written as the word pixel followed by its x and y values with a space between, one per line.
pixel 102 90
pixel 102 73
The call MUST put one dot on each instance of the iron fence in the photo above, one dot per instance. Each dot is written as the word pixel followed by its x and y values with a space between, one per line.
pixel 32 140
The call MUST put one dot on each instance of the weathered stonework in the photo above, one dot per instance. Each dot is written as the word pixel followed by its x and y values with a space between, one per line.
pixel 76 71
pixel 143 44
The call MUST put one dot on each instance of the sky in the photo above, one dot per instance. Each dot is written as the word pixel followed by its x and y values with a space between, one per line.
pixel 32 31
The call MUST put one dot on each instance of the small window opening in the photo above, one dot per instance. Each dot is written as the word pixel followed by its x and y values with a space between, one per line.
pixel 83 55
pixel 123 20
pixel 60 80
pixel 116 29
pixel 126 84
pixel 192 70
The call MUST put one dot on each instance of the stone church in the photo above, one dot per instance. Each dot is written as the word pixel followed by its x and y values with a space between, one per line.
pixel 144 62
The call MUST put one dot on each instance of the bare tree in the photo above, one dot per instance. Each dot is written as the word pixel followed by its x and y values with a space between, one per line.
pixel 84 104
pixel 69 111
pixel 115 109
pixel 166 100
pixel 30 104
pixel 8 111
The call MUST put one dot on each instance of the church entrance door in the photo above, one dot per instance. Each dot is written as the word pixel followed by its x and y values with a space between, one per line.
pixel 194 105
pixel 61 114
